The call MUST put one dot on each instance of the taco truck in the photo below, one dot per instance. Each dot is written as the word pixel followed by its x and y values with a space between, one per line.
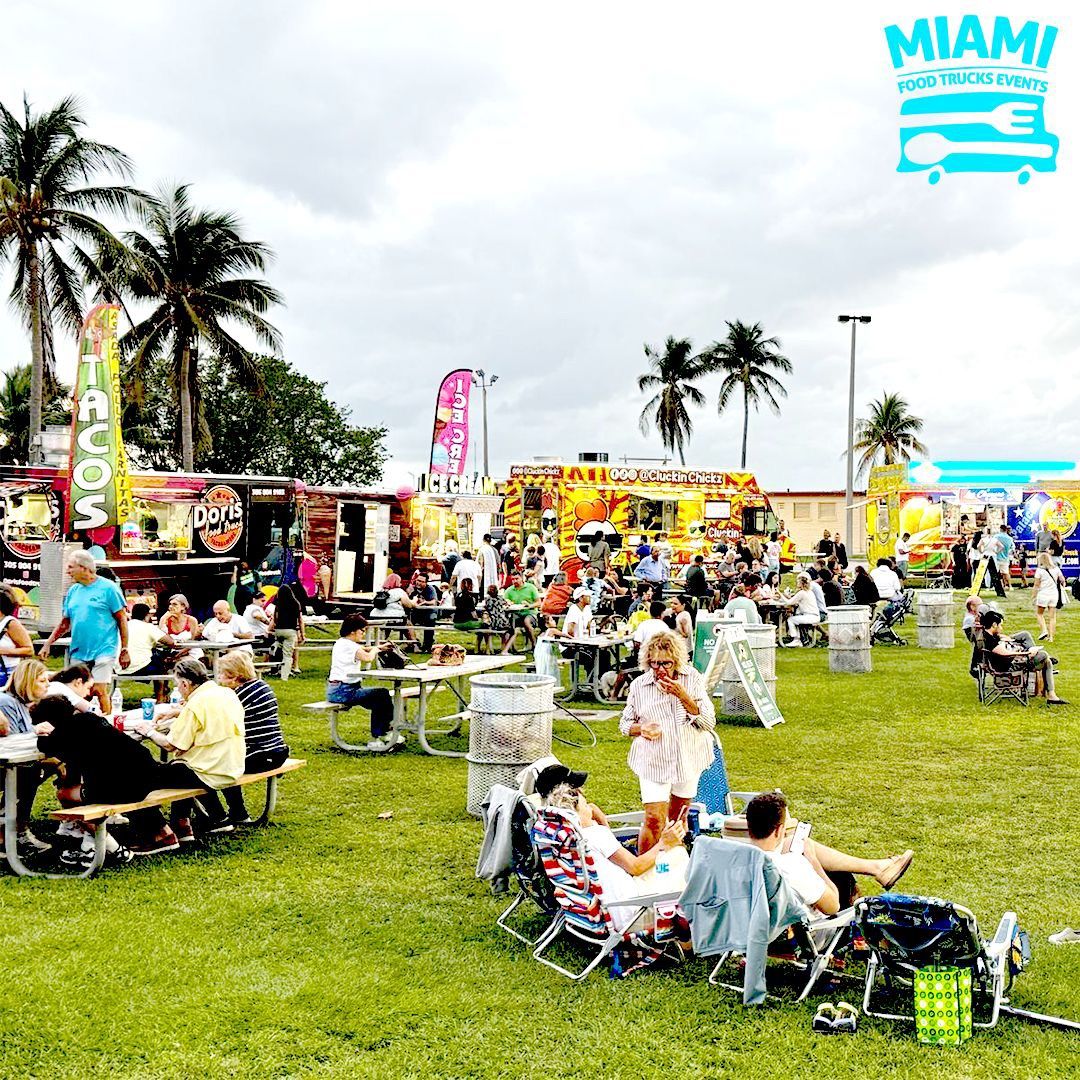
pixel 699 510
pixel 936 502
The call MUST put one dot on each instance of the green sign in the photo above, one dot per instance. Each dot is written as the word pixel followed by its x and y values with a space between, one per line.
pixel 750 676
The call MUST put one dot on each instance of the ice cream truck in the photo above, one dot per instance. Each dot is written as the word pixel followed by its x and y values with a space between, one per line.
pixel 937 502
pixel 698 510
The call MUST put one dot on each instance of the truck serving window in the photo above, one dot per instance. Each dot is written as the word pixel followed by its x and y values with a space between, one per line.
pixel 652 515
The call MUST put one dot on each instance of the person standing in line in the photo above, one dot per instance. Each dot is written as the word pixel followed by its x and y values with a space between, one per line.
pixel 1057 547
pixel 961 568
pixel 488 558
pixel 1043 539
pixel 551 561
pixel 466 569
pixel 901 554
pixel 1004 556
pixel 96 614
pixel 288 628
pixel 990 550
pixel 840 551
pixel 600 553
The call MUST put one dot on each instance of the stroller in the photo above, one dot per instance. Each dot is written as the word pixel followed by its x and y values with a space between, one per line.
pixel 884 623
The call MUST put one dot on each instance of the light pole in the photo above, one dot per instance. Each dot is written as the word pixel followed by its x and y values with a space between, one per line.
pixel 848 518
pixel 479 380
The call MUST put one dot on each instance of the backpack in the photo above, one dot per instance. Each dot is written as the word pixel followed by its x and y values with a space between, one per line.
pixel 381 599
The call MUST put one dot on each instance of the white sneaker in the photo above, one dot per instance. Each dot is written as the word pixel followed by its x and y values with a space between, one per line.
pixel 796 644
pixel 117 819
pixel 388 742
pixel 29 842
pixel 69 828
pixel 1068 936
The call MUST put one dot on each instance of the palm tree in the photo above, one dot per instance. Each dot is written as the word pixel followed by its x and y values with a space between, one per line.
pixel 890 431
pixel 47 205
pixel 673 375
pixel 745 356
pixel 15 412
pixel 186 263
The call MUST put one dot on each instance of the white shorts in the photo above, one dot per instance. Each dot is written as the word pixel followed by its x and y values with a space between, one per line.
pixel 102 669
pixel 654 792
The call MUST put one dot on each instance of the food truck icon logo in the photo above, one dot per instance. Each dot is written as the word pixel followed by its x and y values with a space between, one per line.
pixel 1058 513
pixel 949 126
pixel 219 518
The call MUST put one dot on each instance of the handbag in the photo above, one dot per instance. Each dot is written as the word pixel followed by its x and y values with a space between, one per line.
pixel 942 1005
pixel 444 655
pixel 1061 601
pixel 392 658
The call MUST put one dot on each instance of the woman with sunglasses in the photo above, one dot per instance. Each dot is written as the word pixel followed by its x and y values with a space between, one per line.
pixel 670 718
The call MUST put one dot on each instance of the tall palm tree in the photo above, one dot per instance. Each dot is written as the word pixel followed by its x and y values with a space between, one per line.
pixel 15 412
pixel 48 223
pixel 672 376
pixel 186 263
pixel 890 431
pixel 745 357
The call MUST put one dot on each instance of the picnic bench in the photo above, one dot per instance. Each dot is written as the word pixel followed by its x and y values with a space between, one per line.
pixel 97 813
pixel 332 708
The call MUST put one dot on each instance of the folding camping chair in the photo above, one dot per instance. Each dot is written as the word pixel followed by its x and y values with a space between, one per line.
pixel 994 685
pixel 528 869
pixel 905 933
pixel 586 915
pixel 811 943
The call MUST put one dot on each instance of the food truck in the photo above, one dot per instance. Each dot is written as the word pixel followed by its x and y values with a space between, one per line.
pixel 697 509
pixel 186 534
pixel 936 502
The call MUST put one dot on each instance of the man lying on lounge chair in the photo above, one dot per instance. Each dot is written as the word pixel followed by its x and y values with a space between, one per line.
pixel 822 877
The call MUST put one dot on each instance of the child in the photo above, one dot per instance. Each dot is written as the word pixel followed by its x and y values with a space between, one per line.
pixel 76 685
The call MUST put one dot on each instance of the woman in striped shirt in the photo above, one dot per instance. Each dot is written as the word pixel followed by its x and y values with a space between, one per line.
pixel 264 743
pixel 670 717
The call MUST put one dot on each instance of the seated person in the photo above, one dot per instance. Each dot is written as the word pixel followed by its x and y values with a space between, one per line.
pixel 595 584
pixel 75 684
pixel 621 875
pixel 819 596
pixel 255 617
pixel 557 596
pixel 865 589
pixel 345 686
pixel 1001 651
pixel 425 608
pixel 226 626
pixel 820 876
pixel 207 741
pixel 525 596
pixel 805 610
pixel 393 606
pixel 265 746
pixel 740 606
pixel 495 616
pixel 465 615
pixel 830 589
pixel 579 618
pixel 643 597
pixel 681 620
pixel 446 600
pixel 143 637
pixel 644 630
pixel 886 579
pixel 695 581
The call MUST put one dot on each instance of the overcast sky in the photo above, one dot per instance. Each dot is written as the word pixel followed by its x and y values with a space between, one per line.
pixel 537 190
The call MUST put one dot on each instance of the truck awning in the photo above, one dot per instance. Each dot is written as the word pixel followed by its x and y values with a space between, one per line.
pixel 477 504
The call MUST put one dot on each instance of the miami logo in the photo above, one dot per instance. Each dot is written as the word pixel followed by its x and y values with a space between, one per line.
pixel 972 96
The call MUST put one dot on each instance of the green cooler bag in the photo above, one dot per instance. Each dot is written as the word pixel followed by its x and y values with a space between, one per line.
pixel 943 1005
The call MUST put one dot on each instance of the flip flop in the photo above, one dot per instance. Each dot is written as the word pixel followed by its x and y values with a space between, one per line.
pixel 903 863
pixel 825 1019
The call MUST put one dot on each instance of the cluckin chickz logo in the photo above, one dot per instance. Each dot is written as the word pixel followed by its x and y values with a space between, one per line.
pixel 972 94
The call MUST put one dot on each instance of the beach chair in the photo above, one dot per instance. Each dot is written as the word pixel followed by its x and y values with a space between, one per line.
pixel 994 685
pixel 528 869
pixel 906 933
pixel 586 915
pixel 805 944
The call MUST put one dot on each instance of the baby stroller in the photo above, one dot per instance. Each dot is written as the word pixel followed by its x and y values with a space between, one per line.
pixel 884 623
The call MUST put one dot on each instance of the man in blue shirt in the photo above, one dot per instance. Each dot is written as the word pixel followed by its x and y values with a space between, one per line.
pixel 96 614
pixel 653 568
pixel 1004 555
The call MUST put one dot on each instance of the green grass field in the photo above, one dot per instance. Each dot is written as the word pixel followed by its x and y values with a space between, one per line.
pixel 335 944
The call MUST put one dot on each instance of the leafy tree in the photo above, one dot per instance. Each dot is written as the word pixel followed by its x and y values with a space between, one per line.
pixel 747 358
pixel 673 375
pixel 890 431
pixel 290 429
pixel 186 263
pixel 48 227
pixel 15 413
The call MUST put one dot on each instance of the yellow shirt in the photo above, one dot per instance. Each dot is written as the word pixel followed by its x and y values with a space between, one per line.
pixel 209 735
pixel 637 619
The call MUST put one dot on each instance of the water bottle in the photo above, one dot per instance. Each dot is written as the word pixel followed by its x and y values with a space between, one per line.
pixel 663 863
pixel 175 698
pixel 117 701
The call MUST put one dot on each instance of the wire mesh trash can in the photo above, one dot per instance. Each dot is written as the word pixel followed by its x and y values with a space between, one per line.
pixel 934 614
pixel 762 639
pixel 509 728
pixel 849 638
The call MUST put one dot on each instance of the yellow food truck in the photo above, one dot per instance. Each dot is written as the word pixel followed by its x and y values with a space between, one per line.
pixel 696 509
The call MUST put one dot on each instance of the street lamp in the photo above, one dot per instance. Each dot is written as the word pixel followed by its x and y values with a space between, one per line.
pixel 479 380
pixel 848 518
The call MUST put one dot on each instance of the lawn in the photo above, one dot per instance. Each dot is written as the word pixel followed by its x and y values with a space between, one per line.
pixel 336 944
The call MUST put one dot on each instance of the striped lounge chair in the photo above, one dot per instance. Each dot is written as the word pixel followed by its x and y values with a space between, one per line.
pixel 586 914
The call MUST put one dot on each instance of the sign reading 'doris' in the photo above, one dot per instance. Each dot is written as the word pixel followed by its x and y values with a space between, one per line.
pixel 972 93
pixel 219 518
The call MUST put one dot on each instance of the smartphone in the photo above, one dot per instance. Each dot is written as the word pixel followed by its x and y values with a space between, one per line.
pixel 798 841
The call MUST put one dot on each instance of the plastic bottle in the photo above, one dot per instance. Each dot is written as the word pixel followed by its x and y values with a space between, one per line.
pixel 117 701
pixel 662 865
pixel 175 698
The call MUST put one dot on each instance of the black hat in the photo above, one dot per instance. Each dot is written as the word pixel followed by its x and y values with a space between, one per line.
pixel 550 778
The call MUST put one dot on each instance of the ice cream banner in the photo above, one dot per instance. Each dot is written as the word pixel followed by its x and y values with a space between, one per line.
pixel 100 491
pixel 450 439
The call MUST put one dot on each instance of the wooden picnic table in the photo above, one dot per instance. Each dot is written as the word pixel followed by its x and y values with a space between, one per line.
pixel 426 678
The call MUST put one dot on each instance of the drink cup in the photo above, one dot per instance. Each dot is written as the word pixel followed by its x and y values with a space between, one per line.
pixel 118 721
pixel 148 709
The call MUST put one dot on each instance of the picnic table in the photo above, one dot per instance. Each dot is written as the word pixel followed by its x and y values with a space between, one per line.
pixel 593 646
pixel 427 678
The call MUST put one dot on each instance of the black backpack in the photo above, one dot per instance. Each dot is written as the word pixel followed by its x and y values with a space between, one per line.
pixel 381 599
